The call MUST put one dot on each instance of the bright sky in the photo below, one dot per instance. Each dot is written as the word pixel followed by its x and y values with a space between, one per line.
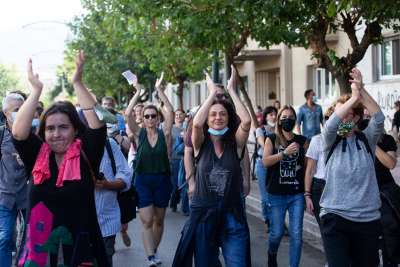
pixel 25 32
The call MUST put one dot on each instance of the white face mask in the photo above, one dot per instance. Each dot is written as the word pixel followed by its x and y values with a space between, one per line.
pixel 272 124
pixel 13 116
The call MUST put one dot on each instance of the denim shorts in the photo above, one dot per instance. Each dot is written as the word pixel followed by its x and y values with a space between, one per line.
pixel 153 189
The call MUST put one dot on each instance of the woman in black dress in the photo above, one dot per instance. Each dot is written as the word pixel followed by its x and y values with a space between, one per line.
pixel 64 160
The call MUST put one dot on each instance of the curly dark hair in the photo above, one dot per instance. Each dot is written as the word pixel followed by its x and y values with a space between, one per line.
pixel 64 107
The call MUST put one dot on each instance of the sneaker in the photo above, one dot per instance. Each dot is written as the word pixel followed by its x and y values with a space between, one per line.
pixel 151 263
pixel 126 239
pixel 157 260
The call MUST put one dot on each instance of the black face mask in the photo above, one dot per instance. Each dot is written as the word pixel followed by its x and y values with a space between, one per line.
pixel 288 124
pixel 363 124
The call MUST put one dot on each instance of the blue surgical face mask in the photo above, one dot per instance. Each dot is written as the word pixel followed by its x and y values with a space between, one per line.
pixel 35 123
pixel 314 99
pixel 13 115
pixel 217 132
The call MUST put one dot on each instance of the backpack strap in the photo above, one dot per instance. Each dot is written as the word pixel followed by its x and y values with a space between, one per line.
pixel 272 136
pixel 111 156
pixel 2 130
pixel 361 136
pixel 337 141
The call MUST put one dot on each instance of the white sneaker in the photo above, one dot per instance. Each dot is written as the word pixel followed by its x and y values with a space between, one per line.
pixel 157 260
pixel 151 263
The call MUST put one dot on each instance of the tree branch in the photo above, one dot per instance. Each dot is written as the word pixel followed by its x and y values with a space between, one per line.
pixel 349 29
pixel 241 43
pixel 371 34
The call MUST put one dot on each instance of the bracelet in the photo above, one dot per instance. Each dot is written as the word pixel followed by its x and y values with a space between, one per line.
pixel 307 194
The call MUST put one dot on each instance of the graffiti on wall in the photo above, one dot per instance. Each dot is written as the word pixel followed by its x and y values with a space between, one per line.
pixel 387 98
pixel 385 95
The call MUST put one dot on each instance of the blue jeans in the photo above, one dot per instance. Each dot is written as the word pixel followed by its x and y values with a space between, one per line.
pixel 7 223
pixel 185 200
pixel 261 174
pixel 174 181
pixel 234 237
pixel 279 204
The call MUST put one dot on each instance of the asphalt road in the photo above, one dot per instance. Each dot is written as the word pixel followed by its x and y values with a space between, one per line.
pixel 134 256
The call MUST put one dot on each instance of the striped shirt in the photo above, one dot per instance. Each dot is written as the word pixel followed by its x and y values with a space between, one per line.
pixel 108 213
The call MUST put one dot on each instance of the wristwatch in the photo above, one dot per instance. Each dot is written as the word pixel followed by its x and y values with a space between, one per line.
pixel 284 153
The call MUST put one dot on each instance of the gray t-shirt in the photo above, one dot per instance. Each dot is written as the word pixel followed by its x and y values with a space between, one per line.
pixel 13 178
pixel 351 189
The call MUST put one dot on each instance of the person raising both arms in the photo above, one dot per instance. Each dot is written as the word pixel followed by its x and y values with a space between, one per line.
pixel 64 160
pixel 152 170
pixel 217 216
pixel 350 202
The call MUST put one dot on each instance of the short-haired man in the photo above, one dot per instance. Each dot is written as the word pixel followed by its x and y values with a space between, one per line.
pixel 108 102
pixel 310 116
pixel 13 179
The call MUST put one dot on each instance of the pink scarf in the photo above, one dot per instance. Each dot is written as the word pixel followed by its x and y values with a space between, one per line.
pixel 69 169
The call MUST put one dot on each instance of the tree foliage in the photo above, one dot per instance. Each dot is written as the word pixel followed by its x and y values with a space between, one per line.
pixel 118 35
pixel 9 79
pixel 307 23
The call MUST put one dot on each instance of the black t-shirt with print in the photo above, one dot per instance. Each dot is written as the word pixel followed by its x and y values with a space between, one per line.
pixel 383 174
pixel 287 176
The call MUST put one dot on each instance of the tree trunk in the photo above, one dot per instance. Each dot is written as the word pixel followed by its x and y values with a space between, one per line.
pixel 242 89
pixel 343 81
pixel 179 93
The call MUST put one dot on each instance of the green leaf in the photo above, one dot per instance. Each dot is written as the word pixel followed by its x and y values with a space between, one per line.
pixel 331 11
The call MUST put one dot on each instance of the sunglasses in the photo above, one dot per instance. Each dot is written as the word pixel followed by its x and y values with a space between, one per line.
pixel 148 116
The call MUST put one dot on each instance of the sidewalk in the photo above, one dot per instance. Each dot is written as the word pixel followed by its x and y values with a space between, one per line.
pixel 311 233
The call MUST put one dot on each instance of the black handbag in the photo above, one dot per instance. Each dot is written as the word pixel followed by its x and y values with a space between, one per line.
pixel 127 200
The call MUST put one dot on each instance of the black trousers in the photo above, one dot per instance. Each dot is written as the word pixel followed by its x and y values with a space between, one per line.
pixel 109 243
pixel 317 188
pixel 348 243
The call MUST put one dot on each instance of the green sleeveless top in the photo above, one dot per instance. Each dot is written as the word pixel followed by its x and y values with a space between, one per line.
pixel 152 160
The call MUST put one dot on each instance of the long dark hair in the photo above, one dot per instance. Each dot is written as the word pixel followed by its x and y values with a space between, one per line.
pixel 64 107
pixel 233 120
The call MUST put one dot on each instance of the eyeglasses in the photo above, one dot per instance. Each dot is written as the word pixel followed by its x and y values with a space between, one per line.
pixel 148 116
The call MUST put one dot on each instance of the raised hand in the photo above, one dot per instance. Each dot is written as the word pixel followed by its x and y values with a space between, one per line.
pixel 34 78
pixel 159 81
pixel 356 83
pixel 80 61
pixel 233 79
pixel 292 148
pixel 212 88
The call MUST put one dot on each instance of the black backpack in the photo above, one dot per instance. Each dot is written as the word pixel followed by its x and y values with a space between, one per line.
pixel 127 200
pixel 360 136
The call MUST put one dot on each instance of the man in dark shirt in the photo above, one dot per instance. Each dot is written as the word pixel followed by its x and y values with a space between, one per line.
pixel 13 180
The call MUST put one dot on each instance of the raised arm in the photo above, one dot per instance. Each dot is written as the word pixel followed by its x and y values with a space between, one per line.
pixel 23 122
pixel 130 117
pixel 85 99
pixel 167 110
pixel 201 116
pixel 366 99
pixel 242 133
